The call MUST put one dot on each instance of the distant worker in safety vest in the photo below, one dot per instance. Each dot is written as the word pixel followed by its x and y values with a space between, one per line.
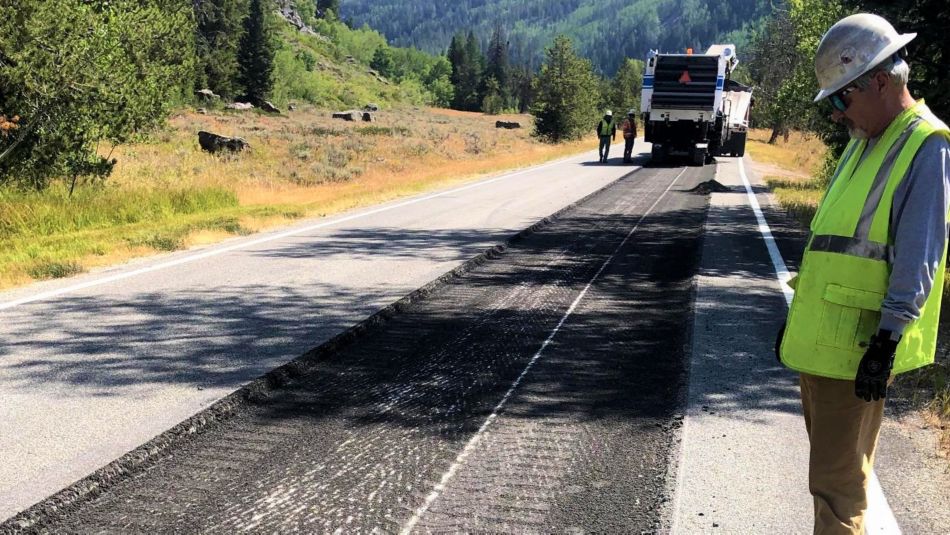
pixel 607 130
pixel 867 295
pixel 629 127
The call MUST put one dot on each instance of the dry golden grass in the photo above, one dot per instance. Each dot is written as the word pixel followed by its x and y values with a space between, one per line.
pixel 801 154
pixel 303 164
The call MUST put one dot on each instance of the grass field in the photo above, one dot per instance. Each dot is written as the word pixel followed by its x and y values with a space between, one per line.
pixel 167 194
pixel 796 162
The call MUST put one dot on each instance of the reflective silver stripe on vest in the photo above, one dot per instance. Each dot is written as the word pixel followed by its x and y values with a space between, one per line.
pixel 863 229
pixel 851 247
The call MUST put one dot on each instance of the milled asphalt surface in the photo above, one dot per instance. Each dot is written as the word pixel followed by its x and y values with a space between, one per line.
pixel 91 374
pixel 376 437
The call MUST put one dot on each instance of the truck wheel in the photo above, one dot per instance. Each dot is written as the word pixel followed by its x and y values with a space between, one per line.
pixel 699 156
pixel 657 155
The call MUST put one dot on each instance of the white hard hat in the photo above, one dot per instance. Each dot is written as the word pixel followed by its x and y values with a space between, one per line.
pixel 852 47
pixel 608 112
pixel 631 112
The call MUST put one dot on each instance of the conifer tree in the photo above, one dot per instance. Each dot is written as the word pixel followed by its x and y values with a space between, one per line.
pixel 567 93
pixel 256 54
pixel 498 66
pixel 220 25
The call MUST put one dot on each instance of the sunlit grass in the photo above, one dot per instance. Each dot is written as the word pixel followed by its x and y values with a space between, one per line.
pixel 166 194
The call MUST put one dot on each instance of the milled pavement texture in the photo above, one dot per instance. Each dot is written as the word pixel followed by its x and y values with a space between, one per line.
pixel 582 445
pixel 87 376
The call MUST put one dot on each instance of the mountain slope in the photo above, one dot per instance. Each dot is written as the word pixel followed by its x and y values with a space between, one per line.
pixel 605 31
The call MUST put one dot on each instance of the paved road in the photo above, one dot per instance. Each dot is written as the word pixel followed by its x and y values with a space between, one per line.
pixel 536 393
pixel 89 374
pixel 590 379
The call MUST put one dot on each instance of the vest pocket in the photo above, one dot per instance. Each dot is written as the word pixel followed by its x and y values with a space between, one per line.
pixel 849 316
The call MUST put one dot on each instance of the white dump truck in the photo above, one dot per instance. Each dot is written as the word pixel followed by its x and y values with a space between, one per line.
pixel 690 106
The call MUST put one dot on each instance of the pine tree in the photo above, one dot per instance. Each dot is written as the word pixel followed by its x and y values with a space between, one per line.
pixel 325 6
pixel 567 94
pixel 467 66
pixel 497 67
pixel 256 55
pixel 382 62
pixel 625 88
pixel 216 43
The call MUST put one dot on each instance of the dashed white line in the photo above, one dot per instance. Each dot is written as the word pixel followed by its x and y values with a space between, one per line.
pixel 472 442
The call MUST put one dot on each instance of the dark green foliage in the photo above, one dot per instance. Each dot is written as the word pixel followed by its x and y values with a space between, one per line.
pixel 220 26
pixel 256 54
pixel 383 62
pixel 327 6
pixel 929 53
pixel 566 94
pixel 623 93
pixel 73 87
pixel 606 31
pixel 468 64
pixel 497 67
pixel 770 61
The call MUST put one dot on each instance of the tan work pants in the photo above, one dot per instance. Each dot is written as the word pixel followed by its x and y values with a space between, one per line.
pixel 842 431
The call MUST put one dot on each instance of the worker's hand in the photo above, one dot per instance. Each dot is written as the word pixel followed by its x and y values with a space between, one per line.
pixel 875 367
pixel 778 342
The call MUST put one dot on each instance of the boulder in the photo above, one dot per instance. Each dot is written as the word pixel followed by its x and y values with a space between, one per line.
pixel 239 106
pixel 345 115
pixel 202 111
pixel 371 107
pixel 367 117
pixel 269 107
pixel 214 143
pixel 507 124
pixel 207 94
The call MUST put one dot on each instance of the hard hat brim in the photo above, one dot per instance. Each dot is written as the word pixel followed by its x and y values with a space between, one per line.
pixel 888 51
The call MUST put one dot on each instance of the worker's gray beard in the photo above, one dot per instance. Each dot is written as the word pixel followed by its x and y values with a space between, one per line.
pixel 854 131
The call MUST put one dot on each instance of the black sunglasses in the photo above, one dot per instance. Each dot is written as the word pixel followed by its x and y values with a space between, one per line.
pixel 837 99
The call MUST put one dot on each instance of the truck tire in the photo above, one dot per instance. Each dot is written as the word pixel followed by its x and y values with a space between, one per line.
pixel 740 145
pixel 698 156
pixel 657 154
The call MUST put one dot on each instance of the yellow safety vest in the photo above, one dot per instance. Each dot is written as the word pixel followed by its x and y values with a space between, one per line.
pixel 846 267
pixel 606 128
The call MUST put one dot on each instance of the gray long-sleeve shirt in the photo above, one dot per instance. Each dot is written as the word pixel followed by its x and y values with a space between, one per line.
pixel 919 232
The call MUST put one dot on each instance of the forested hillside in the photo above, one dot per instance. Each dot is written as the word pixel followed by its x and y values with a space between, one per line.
pixel 605 31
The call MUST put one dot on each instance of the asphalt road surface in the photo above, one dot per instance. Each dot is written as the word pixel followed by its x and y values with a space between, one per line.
pixel 539 392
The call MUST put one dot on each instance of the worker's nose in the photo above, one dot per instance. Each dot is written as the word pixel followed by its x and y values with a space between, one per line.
pixel 837 116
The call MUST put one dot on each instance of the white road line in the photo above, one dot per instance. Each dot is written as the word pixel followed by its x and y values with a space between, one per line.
pixel 121 276
pixel 777 261
pixel 470 445
pixel 879 517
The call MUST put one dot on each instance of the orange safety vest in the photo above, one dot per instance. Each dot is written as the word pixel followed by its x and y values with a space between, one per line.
pixel 629 129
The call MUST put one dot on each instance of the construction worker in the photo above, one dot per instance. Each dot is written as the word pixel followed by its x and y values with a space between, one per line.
pixel 629 127
pixel 607 130
pixel 867 295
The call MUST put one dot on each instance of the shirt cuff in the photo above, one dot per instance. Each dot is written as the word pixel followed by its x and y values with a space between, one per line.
pixel 893 323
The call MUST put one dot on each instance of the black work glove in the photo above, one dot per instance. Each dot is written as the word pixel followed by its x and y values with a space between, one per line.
pixel 778 342
pixel 875 367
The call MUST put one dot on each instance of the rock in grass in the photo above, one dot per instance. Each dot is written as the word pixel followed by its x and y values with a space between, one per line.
pixel 507 124
pixel 240 106
pixel 214 143
pixel 371 107
pixel 269 107
pixel 207 94
pixel 345 115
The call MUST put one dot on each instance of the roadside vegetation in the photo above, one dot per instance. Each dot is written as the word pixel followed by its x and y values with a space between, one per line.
pixel 794 172
pixel 166 194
